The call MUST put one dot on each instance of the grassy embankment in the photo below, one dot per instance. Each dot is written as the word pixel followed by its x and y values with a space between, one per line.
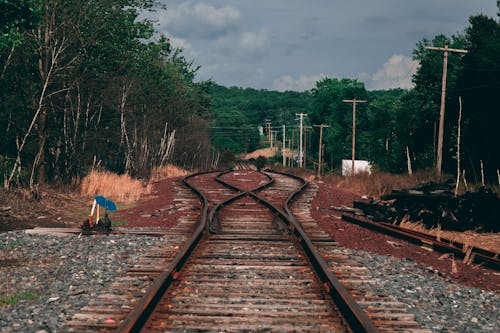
pixel 123 189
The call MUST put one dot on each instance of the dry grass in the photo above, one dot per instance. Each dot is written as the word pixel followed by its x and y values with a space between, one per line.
pixel 120 188
pixel 169 171
pixel 487 241
pixel 379 183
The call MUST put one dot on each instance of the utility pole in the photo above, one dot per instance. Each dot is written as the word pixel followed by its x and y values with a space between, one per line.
pixel 268 129
pixel 274 139
pixel 320 150
pixel 445 50
pixel 305 145
pixel 301 151
pixel 353 101
pixel 284 146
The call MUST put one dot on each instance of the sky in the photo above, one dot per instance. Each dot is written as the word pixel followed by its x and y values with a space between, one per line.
pixel 291 44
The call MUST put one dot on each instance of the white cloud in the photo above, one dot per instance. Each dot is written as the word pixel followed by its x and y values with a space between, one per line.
pixel 254 42
pixel 302 83
pixel 397 72
pixel 199 20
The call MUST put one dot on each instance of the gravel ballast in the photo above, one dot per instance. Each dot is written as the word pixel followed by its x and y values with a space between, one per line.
pixel 437 303
pixel 45 279
pixel 54 277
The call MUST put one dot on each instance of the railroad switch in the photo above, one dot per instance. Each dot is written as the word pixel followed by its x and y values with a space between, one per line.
pixel 104 224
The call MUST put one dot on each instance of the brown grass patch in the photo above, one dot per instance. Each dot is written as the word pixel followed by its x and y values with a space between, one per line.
pixel 380 183
pixel 169 171
pixel 120 188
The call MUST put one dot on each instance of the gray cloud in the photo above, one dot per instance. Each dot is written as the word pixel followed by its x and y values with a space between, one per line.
pixel 286 44
pixel 199 20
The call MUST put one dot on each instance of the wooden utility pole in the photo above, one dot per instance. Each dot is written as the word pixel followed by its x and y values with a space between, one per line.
pixel 320 149
pixel 284 146
pixel 274 139
pixel 305 145
pixel 301 151
pixel 268 129
pixel 353 101
pixel 445 50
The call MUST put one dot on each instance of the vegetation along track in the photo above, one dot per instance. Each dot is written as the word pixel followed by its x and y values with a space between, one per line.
pixel 251 265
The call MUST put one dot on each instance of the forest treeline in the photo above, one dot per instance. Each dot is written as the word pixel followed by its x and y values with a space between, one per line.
pixel 393 124
pixel 83 85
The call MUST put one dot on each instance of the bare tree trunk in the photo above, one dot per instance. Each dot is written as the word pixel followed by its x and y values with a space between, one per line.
pixel 7 62
pixel 458 144
pixel 482 172
pixel 39 109
pixel 129 162
pixel 408 161
pixel 465 180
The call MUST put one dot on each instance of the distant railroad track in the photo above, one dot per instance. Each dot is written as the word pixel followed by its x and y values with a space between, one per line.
pixel 251 265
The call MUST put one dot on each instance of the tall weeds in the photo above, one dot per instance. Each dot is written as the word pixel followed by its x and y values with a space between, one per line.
pixel 168 171
pixel 120 188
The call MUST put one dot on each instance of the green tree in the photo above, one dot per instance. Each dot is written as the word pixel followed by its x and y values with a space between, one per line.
pixel 329 109
pixel 479 86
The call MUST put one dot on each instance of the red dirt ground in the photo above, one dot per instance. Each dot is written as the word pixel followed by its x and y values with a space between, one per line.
pixel 157 210
pixel 356 237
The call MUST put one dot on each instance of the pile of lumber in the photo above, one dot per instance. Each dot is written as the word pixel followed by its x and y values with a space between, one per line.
pixel 435 204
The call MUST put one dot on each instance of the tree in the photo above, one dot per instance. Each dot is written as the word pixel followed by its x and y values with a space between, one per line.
pixel 329 109
pixel 102 95
pixel 479 86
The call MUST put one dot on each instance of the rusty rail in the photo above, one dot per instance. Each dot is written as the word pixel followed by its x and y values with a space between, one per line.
pixel 137 317
pixel 354 315
pixel 487 258
pixel 352 312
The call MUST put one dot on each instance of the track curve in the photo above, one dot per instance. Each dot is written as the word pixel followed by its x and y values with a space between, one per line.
pixel 247 267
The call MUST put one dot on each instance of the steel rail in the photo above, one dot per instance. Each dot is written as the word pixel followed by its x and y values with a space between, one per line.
pixel 212 220
pixel 136 319
pixel 353 314
pixel 487 258
pixel 356 317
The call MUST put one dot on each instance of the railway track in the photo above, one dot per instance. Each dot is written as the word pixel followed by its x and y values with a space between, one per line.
pixel 248 273
pixel 254 264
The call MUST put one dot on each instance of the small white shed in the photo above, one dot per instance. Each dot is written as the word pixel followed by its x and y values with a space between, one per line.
pixel 359 166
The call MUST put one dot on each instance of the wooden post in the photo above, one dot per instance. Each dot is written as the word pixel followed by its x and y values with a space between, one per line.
pixel 305 145
pixel 353 101
pixel 445 50
pixel 301 147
